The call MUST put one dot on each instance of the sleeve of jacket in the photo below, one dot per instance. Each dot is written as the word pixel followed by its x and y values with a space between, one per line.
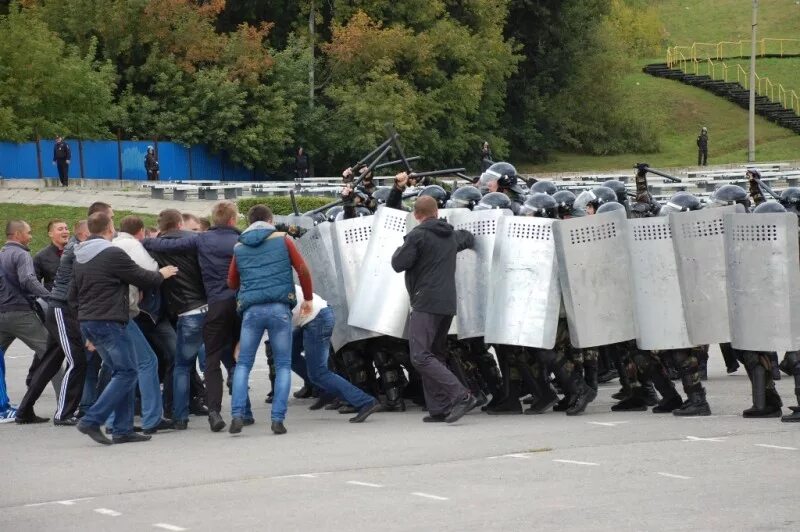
pixel 464 239
pixel 406 255
pixel 26 273
pixel 171 245
pixel 37 266
pixel 395 199
pixel 127 270
pixel 69 152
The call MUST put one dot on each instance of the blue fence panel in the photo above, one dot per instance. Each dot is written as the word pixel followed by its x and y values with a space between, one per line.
pixel 205 165
pixel 49 169
pixel 133 152
pixel 173 161
pixel 100 160
pixel 235 172
pixel 18 161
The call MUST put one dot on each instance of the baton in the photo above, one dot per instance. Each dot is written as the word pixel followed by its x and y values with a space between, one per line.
pixel 398 161
pixel 433 173
pixel 294 203
pixel 357 182
pixel 467 178
pixel 371 154
pixel 764 187
pixel 644 167
pixel 395 140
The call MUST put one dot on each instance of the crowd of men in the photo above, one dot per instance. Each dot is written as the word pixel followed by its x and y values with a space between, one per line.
pixel 124 321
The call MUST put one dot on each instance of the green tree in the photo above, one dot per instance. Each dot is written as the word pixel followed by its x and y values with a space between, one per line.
pixel 49 88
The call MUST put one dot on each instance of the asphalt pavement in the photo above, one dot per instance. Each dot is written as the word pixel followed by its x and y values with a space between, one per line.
pixel 598 471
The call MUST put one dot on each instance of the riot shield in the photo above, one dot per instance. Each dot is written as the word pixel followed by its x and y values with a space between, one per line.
pixel 449 215
pixel 349 240
pixel 524 295
pixel 763 281
pixel 594 272
pixel 381 301
pixel 658 306
pixel 473 270
pixel 305 222
pixel 699 242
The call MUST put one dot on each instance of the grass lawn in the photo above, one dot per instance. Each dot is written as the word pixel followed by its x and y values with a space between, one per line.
pixel 38 216
pixel 679 111
pixel 689 21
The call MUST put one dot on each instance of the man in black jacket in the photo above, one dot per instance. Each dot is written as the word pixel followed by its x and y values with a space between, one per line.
pixel 186 302
pixel 47 260
pixel 61 158
pixel 222 324
pixel 428 256
pixel 102 274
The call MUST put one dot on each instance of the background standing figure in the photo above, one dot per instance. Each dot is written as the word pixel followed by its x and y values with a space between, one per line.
pixel 151 164
pixel 301 163
pixel 486 156
pixel 702 147
pixel 61 158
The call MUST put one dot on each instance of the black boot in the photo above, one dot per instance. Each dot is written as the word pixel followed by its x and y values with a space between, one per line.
pixel 794 417
pixel 544 403
pixel 668 404
pixel 636 402
pixel 586 394
pixel 696 405
pixel 759 385
pixel 304 393
pixel 651 397
pixel 671 398
pixel 590 374
pixel 775 366
pixel 564 404
pixel 509 405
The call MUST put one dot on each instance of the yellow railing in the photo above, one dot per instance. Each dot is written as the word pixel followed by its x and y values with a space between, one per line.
pixel 706 59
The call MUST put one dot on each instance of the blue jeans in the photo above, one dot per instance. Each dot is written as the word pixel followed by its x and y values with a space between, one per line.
pixel 276 319
pixel 190 341
pixel 315 339
pixel 112 341
pixel 90 383
pixel 147 371
pixel 4 400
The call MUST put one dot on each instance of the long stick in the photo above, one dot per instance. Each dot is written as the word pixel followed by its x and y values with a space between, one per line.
pixel 397 146
pixel 397 161
pixel 294 203
pixel 371 154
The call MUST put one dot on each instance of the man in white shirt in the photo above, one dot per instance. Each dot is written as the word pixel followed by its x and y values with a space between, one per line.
pixel 312 334
pixel 129 239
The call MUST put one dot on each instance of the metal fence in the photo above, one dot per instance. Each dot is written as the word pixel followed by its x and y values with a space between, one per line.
pixel 123 160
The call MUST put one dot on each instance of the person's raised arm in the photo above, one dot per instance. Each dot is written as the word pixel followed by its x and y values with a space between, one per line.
pixel 406 255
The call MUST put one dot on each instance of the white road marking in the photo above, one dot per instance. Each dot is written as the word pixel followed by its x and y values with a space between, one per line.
pixel 303 475
pixel 671 475
pixel 108 512
pixel 695 438
pixel 367 484
pixel 68 502
pixel 576 462
pixel 606 424
pixel 775 447
pixel 429 496
pixel 167 526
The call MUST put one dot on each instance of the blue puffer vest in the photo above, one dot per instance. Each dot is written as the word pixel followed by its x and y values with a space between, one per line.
pixel 265 269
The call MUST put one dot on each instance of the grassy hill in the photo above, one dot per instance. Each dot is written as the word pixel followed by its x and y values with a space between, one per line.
pixel 688 21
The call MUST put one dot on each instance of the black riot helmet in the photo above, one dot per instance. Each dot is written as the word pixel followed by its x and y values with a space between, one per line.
pixel 790 198
pixel 504 173
pixel 619 189
pixel 564 202
pixel 363 211
pixel 331 213
pixel 769 207
pixel 730 195
pixel 437 193
pixel 318 217
pixel 541 205
pixel 493 200
pixel 381 195
pixel 464 198
pixel 610 206
pixel 681 202
pixel 544 187
pixel 595 198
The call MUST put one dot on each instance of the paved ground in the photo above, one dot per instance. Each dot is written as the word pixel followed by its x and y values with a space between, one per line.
pixel 599 471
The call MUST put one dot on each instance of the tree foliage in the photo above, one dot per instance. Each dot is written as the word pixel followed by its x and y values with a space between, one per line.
pixel 529 76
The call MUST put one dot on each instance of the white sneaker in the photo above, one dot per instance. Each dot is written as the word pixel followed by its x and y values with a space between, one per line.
pixel 8 416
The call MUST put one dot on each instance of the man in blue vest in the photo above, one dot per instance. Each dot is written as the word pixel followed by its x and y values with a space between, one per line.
pixel 261 270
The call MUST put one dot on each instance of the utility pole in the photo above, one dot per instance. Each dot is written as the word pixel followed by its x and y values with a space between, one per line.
pixel 751 144
pixel 311 42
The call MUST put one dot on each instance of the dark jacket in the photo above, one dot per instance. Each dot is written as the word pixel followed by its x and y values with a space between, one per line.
pixel 18 284
pixel 702 142
pixel 428 256
pixel 60 291
pixel 61 151
pixel 102 274
pixel 185 291
pixel 46 263
pixel 214 250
